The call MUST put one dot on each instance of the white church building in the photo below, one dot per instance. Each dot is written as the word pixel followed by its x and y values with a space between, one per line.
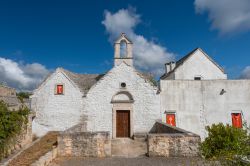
pixel 192 93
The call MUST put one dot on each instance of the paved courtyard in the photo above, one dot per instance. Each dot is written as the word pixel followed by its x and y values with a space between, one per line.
pixel 141 161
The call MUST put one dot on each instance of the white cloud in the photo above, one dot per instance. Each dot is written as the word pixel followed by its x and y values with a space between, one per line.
pixel 148 55
pixel 21 76
pixel 245 74
pixel 226 15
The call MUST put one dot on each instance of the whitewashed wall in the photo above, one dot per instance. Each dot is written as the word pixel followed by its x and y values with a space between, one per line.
pixel 199 103
pixel 56 112
pixel 146 106
pixel 198 65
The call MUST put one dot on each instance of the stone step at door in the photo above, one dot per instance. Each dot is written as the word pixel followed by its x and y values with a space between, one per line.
pixel 126 147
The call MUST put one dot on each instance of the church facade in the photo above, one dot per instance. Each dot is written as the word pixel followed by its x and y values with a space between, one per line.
pixel 194 92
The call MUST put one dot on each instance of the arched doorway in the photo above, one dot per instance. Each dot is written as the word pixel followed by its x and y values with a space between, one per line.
pixel 122 114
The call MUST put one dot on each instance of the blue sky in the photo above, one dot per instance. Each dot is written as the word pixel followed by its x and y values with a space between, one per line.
pixel 38 36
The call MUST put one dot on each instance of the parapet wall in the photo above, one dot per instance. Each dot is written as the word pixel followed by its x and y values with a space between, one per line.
pixel 168 141
pixel 84 144
pixel 7 91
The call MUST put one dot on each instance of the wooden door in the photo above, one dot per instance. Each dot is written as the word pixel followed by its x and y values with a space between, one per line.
pixel 122 123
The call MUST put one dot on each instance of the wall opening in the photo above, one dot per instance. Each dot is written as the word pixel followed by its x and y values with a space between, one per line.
pixel 197 78
pixel 122 114
pixel 236 120
pixel 170 119
pixel 59 89
pixel 123 49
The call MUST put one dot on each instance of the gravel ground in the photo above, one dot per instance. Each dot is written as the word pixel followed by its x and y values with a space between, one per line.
pixel 142 161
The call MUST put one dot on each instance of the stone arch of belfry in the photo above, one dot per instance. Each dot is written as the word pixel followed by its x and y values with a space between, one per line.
pixel 122 101
pixel 128 57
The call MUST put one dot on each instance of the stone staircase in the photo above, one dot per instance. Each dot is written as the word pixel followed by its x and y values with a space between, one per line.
pixel 127 147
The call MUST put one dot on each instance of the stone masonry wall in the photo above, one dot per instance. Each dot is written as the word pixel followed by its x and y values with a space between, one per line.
pixel 84 144
pixel 168 141
pixel 7 91
pixel 172 145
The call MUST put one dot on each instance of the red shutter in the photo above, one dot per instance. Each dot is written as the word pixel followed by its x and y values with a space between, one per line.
pixel 237 120
pixel 59 89
pixel 171 119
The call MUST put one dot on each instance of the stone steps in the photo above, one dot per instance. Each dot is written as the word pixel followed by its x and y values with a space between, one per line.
pixel 126 147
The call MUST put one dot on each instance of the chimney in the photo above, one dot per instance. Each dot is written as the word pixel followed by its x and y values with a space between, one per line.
pixel 167 67
pixel 172 66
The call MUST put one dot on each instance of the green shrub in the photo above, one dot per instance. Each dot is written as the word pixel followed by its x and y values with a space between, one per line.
pixel 226 144
pixel 23 95
pixel 11 123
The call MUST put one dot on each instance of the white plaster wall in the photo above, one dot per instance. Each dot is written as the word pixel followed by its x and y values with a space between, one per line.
pixel 98 106
pixel 56 112
pixel 122 97
pixel 199 103
pixel 236 99
pixel 185 100
pixel 198 65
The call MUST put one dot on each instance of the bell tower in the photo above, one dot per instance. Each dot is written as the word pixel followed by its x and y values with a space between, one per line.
pixel 123 51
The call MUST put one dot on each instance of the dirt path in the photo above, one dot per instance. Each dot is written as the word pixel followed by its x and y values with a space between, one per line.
pixel 33 153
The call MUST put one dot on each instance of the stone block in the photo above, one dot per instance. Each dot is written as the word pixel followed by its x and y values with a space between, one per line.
pixel 84 144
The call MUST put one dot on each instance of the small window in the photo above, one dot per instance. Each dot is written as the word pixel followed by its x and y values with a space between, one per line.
pixel 123 85
pixel 237 120
pixel 197 78
pixel 170 119
pixel 59 89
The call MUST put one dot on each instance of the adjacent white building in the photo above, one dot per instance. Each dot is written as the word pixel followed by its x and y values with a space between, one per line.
pixel 194 92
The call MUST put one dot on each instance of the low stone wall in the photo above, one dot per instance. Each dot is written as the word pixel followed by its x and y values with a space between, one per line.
pixel 168 141
pixel 84 144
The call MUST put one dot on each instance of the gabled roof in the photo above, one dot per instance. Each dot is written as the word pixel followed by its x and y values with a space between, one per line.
pixel 86 81
pixel 185 58
pixel 123 37
pixel 148 77
pixel 83 81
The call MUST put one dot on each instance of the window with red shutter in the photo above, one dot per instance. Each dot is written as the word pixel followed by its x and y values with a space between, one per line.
pixel 59 89
pixel 237 120
pixel 170 118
